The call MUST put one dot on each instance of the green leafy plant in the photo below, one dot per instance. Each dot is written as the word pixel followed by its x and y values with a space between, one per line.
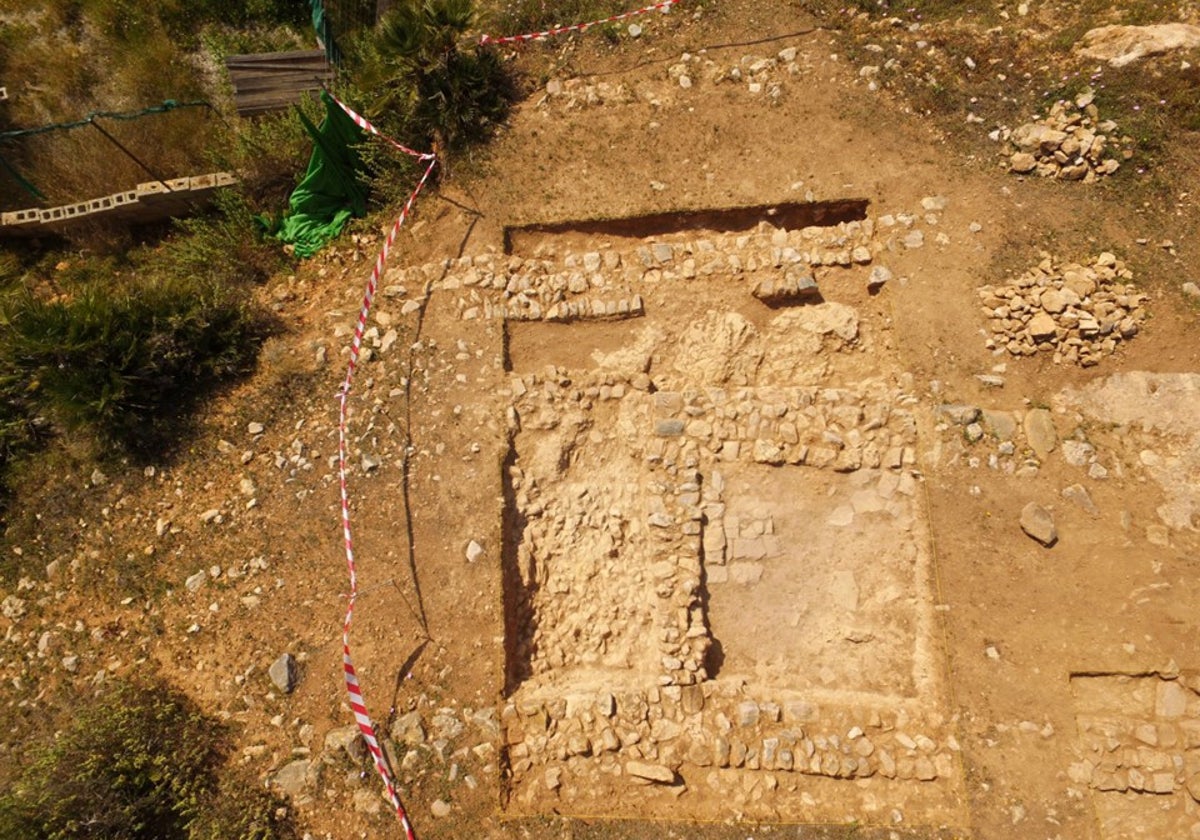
pixel 453 94
pixel 141 763
pixel 123 359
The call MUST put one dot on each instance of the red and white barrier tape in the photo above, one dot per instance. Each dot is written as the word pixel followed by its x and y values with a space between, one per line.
pixel 577 27
pixel 357 703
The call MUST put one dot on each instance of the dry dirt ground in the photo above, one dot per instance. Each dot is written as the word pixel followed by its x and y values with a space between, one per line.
pixel 738 569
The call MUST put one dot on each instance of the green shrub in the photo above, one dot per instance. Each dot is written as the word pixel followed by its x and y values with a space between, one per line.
pixel 452 93
pixel 124 359
pixel 223 246
pixel 141 763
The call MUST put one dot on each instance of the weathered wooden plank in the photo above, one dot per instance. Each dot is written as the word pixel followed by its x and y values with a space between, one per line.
pixel 283 82
pixel 266 81
pixel 293 55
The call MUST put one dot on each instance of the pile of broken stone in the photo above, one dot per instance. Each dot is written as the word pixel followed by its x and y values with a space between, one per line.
pixel 1068 144
pixel 1078 312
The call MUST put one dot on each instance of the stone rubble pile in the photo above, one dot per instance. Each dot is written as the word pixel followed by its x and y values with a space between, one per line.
pixel 1080 313
pixel 1068 144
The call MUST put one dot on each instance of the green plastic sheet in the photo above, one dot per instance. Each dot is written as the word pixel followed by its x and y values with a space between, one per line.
pixel 330 193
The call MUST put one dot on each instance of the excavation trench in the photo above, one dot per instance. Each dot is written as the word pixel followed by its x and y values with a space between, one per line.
pixel 788 215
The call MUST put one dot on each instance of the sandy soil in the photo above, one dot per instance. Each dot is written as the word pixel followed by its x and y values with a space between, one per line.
pixel 854 606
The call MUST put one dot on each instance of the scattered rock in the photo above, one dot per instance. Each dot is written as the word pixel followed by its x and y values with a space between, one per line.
pixel 474 551
pixel 255 428
pixel 1040 432
pixel 1038 523
pixel 346 739
pixel 1065 145
pixel 440 808
pixel 880 275
pixel 283 673
pixel 1078 494
pixel 656 773
pixel 294 778
pixel 1121 45
pixel 12 607
pixel 194 582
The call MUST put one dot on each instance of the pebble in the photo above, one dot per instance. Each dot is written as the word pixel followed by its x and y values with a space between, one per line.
pixel 1038 523
pixel 474 551
pixel 650 772
pixel 283 673
pixel 440 808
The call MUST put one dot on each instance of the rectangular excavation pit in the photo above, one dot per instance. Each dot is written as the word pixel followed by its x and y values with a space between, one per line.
pixel 785 215
pixel 1139 739
pixel 815 580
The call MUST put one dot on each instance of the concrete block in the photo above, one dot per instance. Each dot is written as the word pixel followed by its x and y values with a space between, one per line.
pixel 24 217
pixel 202 182
pixel 151 188
pixel 225 179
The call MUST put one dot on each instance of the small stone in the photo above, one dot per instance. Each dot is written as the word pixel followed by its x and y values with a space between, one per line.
pixel 1040 432
pixel 1037 522
pixel 440 808
pixel 255 428
pixel 1053 301
pixel 1191 290
pixel 1042 327
pixel 1022 162
pixel 293 778
pixel 1078 494
pixel 474 551
pixel 634 30
pixel 283 673
pixel 194 582
pixel 880 275
pixel 650 772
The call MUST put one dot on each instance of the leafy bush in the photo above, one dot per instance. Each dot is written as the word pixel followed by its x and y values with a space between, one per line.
pixel 222 246
pixel 453 95
pixel 140 764
pixel 122 359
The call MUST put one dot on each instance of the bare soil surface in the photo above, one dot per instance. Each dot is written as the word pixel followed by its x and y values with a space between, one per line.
pixel 737 568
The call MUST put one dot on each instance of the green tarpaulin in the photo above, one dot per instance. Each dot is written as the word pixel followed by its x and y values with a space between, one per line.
pixel 329 194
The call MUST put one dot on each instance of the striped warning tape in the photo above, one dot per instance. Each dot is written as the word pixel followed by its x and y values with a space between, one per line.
pixel 576 27
pixel 357 703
